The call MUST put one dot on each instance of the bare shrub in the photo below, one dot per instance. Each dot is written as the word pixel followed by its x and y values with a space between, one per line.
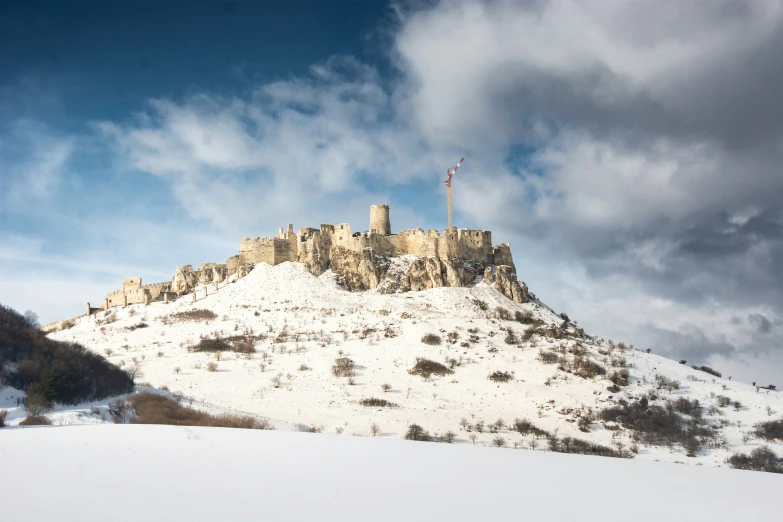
pixel 581 447
pixel 723 401
pixel 760 459
pixel 36 420
pixel 667 384
pixel 343 367
pixel 511 337
pixel 548 357
pixel 525 427
pixel 769 430
pixel 431 339
pixel 3 415
pixel 211 345
pixel 303 367
pixel 525 317
pixel 372 402
pixel 707 369
pixel 375 429
pixel 36 405
pixel 386 387
pixel 586 368
pixel 664 426
pixel 197 314
pixel 620 378
pixel 503 313
pixel 482 305
pixel 499 442
pixel 449 437
pixel 416 432
pixel 212 366
pixel 499 376
pixel 685 406
pixel 426 368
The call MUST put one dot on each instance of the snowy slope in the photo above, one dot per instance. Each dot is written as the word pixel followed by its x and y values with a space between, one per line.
pixel 134 472
pixel 323 322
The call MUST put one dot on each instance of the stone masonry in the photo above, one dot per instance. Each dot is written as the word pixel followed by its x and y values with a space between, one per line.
pixel 455 257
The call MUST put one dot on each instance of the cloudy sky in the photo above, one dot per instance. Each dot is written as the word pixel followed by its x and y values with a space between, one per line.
pixel 631 152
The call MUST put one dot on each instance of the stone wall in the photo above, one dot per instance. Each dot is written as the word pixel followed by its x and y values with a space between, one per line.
pixel 379 220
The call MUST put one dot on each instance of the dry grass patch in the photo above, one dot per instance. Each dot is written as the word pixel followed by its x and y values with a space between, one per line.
pixel 197 314
pixel 152 408
pixel 36 420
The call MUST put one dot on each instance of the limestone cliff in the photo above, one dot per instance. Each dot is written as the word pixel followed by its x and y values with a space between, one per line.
pixel 185 279
pixel 212 273
pixel 365 270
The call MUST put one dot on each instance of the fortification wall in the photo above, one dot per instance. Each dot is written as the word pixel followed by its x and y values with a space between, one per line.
pixel 313 246
pixel 155 290
pixel 257 250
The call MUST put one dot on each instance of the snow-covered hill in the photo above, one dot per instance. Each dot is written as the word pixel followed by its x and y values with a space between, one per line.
pixel 300 324
pixel 135 472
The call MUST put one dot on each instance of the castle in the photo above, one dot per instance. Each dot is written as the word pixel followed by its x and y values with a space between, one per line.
pixel 311 245
pixel 454 257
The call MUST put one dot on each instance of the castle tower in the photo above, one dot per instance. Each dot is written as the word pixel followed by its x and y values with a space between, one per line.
pixel 379 220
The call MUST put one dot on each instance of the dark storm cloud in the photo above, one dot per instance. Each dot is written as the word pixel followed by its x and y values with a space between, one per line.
pixel 656 131
pixel 690 344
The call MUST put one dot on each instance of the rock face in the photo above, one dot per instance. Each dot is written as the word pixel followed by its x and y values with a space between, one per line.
pixel 243 270
pixel 231 265
pixel 212 273
pixel 185 279
pixel 506 283
pixel 358 271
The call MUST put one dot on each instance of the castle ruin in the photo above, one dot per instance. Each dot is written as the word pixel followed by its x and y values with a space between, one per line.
pixel 455 257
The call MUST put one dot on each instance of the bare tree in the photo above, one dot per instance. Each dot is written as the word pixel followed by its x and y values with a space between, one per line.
pixel 36 405
pixel 32 319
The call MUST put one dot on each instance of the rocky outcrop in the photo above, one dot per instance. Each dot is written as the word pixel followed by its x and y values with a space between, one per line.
pixel 212 273
pixel 506 283
pixel 366 270
pixel 231 265
pixel 358 271
pixel 185 280
pixel 244 269
pixel 315 255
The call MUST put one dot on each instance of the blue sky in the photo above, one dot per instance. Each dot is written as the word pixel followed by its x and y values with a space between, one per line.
pixel 602 141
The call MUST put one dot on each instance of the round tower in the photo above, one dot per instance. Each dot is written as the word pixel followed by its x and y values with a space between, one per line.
pixel 379 220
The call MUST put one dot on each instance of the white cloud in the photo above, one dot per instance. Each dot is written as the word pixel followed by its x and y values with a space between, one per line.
pixel 38 174
pixel 650 129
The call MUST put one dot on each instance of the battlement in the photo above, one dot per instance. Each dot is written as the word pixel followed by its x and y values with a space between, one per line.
pixel 313 247
pixel 131 282
pixel 472 245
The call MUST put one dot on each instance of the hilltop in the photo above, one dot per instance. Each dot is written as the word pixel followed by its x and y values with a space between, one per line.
pixel 465 364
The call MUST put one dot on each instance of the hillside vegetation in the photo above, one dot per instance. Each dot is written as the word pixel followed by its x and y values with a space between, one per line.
pixel 52 371
pixel 454 365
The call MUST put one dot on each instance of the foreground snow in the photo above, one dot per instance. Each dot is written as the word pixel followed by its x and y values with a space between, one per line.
pixel 135 472
pixel 323 322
